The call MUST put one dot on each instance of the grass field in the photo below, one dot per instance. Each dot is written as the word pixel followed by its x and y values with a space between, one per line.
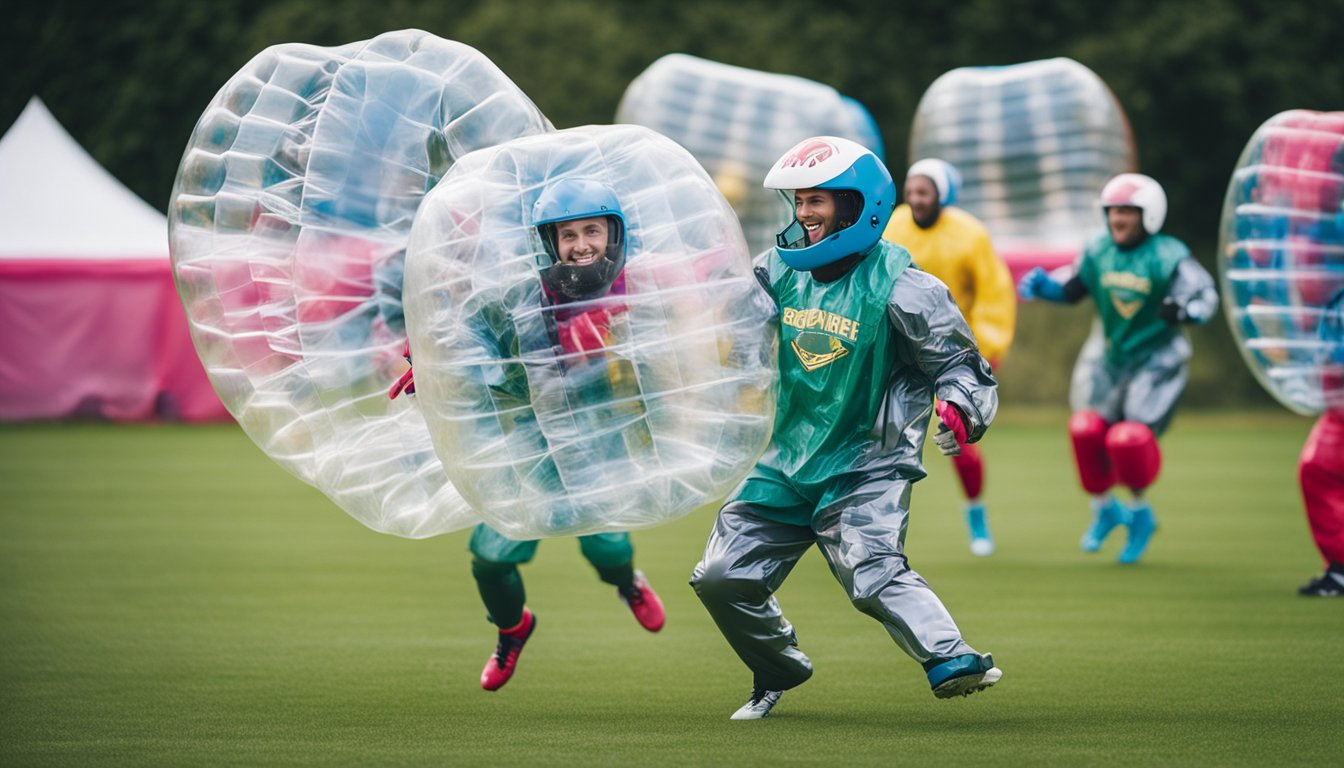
pixel 171 597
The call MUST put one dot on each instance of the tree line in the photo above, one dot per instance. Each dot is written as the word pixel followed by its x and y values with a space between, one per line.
pixel 129 81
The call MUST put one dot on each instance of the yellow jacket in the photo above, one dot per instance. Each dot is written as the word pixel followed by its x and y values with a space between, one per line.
pixel 957 250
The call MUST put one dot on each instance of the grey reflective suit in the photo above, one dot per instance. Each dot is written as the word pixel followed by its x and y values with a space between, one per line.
pixel 858 521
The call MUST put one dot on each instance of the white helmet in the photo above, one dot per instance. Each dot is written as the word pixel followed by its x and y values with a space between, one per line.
pixel 866 197
pixel 945 177
pixel 1138 191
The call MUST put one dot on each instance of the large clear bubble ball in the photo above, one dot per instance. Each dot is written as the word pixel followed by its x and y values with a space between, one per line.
pixel 616 407
pixel 1281 258
pixel 1035 143
pixel 288 225
pixel 737 122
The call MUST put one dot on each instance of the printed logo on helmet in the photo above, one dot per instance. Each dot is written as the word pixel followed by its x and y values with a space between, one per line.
pixel 809 155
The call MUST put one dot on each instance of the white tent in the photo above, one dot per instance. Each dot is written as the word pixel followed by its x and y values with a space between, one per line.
pixel 57 202
pixel 90 322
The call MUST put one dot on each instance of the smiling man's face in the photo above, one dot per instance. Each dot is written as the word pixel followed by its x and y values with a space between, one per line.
pixel 815 210
pixel 580 242
pixel 1126 225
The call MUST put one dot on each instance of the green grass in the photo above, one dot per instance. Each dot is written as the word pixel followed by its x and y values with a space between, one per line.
pixel 170 597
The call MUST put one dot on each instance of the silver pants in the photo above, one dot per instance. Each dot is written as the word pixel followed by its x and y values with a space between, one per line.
pixel 862 537
pixel 1145 392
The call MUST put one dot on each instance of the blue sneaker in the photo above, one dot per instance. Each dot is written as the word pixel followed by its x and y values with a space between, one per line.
pixel 962 675
pixel 982 544
pixel 1104 520
pixel 1141 527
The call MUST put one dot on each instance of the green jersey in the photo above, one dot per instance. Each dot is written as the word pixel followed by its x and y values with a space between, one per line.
pixel 1128 287
pixel 836 354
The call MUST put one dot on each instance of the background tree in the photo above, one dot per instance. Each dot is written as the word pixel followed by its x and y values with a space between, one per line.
pixel 129 81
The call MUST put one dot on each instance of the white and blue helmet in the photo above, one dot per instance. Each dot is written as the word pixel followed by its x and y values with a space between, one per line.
pixel 577 198
pixel 842 166
pixel 944 175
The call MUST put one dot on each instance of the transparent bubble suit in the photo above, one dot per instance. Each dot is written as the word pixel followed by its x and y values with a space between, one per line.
pixel 287 225
pixel 1035 143
pixel 1281 258
pixel 673 408
pixel 737 122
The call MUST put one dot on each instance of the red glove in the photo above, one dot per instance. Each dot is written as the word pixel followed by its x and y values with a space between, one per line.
pixel 585 332
pixel 404 384
pixel 407 381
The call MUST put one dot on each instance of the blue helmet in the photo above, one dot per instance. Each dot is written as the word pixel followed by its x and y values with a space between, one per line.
pixel 567 200
pixel 865 197
pixel 944 175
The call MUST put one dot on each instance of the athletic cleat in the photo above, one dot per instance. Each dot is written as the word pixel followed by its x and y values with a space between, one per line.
pixel 644 603
pixel 982 544
pixel 1142 523
pixel 1330 584
pixel 1104 520
pixel 963 675
pixel 759 705
pixel 504 661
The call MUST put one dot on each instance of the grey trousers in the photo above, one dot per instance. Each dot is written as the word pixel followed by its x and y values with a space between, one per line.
pixel 862 537
pixel 1146 392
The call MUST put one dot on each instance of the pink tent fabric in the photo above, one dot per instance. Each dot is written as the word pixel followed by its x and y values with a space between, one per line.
pixel 90 322
pixel 1022 258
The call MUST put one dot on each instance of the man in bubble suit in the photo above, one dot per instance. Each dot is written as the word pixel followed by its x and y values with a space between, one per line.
pixel 867 341
pixel 1128 378
pixel 1321 465
pixel 582 230
pixel 954 247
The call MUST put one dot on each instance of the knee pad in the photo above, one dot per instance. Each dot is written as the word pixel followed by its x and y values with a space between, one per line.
pixel 1087 430
pixel 970 470
pixel 1134 454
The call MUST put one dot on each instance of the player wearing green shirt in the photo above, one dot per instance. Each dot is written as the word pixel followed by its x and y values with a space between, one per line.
pixel 867 341
pixel 1132 370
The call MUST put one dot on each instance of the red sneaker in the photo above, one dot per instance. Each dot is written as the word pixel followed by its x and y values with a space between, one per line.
pixel 499 668
pixel 644 603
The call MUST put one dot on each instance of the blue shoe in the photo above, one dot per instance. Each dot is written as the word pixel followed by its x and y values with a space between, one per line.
pixel 962 675
pixel 1104 520
pixel 1141 527
pixel 982 544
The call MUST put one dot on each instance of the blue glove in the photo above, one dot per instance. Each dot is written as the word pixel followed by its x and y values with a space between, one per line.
pixel 1037 284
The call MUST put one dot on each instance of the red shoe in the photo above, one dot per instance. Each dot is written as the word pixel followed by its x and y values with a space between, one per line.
pixel 644 603
pixel 499 668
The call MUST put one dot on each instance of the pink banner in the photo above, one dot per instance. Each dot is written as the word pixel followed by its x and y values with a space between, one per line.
pixel 1023 258
pixel 83 338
